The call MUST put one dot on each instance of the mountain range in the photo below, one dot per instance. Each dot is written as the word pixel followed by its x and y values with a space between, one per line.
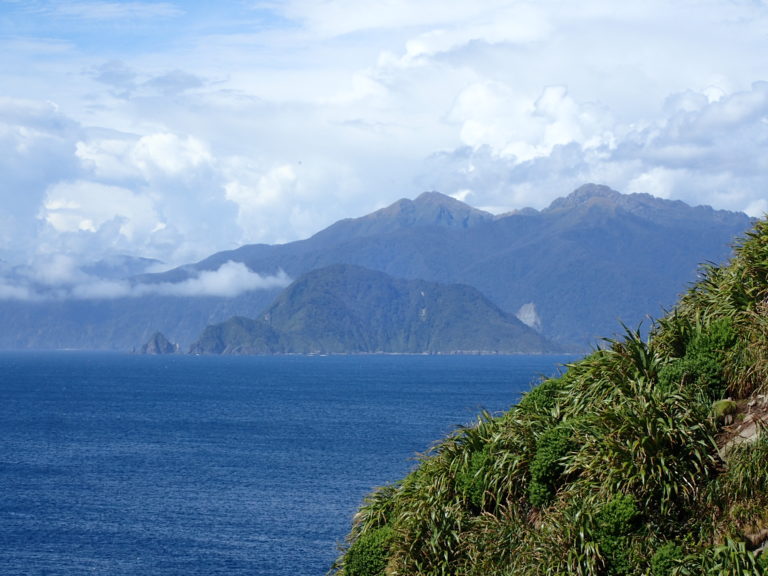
pixel 572 271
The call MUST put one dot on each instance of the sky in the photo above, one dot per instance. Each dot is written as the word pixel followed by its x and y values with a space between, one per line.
pixel 173 130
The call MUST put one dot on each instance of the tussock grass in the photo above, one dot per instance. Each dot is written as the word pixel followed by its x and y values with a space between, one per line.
pixel 610 469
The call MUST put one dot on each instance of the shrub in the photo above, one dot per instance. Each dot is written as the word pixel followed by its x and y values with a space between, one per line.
pixel 470 479
pixel 548 464
pixel 543 398
pixel 367 556
pixel 617 517
pixel 674 374
pixel 762 561
pixel 705 361
pixel 614 522
pixel 666 558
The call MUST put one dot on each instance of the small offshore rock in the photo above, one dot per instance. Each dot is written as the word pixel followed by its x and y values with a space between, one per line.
pixel 159 344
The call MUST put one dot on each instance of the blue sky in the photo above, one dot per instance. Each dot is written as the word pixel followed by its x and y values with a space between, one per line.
pixel 172 130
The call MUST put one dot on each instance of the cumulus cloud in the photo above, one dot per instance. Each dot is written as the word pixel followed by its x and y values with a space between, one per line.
pixel 168 154
pixel 154 193
pixel 267 121
pixel 35 150
pixel 703 151
pixel 86 206
pixel 515 125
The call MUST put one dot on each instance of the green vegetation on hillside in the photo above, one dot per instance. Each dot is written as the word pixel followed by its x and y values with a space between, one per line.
pixel 346 309
pixel 628 463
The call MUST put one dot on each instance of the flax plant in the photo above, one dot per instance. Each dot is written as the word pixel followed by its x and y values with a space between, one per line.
pixel 611 469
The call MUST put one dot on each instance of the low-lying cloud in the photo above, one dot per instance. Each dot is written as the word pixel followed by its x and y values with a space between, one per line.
pixel 231 279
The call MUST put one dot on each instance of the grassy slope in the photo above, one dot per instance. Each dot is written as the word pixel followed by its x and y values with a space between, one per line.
pixel 620 466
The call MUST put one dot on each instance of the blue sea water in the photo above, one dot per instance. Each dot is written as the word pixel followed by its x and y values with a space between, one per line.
pixel 181 465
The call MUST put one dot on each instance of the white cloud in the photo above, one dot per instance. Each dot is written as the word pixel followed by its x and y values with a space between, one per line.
pixel 230 280
pixel 703 152
pixel 518 23
pixel 11 292
pixel 758 208
pixel 657 181
pixel 86 206
pixel 269 190
pixel 344 17
pixel 35 150
pixel 168 154
pixel 154 156
pixel 55 270
pixel 58 277
pixel 108 158
pixel 267 121
pixel 517 125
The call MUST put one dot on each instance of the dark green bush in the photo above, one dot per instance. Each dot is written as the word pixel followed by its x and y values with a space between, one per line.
pixel 368 554
pixel 547 465
pixel 612 469
pixel 470 480
pixel 617 517
pixel 705 360
pixel 543 398
pixel 615 521
pixel 666 558
pixel 673 374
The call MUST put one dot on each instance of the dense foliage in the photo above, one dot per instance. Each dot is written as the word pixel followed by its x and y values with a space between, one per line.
pixel 628 463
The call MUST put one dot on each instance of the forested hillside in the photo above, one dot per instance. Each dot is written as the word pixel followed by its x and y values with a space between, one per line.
pixel 646 457
pixel 351 310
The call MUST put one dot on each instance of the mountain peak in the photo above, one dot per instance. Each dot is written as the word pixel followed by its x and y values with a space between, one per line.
pixel 591 197
pixel 428 209
pixel 432 208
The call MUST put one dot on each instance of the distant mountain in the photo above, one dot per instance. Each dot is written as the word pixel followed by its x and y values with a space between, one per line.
pixel 573 270
pixel 585 263
pixel 349 309
pixel 119 267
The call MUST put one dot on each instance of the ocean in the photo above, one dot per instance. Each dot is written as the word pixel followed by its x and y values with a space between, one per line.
pixel 120 464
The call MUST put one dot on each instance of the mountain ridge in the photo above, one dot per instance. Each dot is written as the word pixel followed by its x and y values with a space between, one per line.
pixel 588 261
